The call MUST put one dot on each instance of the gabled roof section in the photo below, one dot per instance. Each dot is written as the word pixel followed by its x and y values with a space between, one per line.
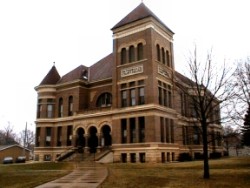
pixel 77 73
pixel 184 79
pixel 52 77
pixel 3 147
pixel 102 69
pixel 139 13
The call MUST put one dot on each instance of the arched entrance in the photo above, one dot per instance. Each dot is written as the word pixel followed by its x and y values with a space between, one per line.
pixel 93 139
pixel 107 139
pixel 80 142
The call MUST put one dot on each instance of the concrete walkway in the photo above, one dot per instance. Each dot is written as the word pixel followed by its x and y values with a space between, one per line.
pixel 87 175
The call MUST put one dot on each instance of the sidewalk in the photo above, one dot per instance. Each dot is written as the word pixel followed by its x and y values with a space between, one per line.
pixel 87 175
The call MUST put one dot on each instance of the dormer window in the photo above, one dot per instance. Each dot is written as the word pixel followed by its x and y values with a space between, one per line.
pixel 85 75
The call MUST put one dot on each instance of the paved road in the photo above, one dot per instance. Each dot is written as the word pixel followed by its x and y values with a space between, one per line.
pixel 85 175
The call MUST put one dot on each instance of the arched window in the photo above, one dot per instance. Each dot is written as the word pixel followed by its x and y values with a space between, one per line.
pixel 158 52
pixel 60 108
pixel 70 106
pixel 168 58
pixel 131 53
pixel 163 55
pixel 104 100
pixel 139 51
pixel 123 56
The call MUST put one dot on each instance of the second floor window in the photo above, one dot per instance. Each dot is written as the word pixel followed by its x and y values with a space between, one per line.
pixel 164 94
pixel 132 93
pixel 70 106
pixel 104 100
pixel 60 108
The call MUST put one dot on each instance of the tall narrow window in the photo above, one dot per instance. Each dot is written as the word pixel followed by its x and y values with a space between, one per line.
pixel 123 130
pixel 140 51
pixel 167 131
pixel 141 129
pixel 132 97
pixel 162 128
pixel 141 96
pixel 48 136
pixel 131 54
pixel 60 108
pixel 169 96
pixel 69 135
pixel 123 56
pixel 196 137
pixel 38 130
pixel 172 130
pixel 59 136
pixel 160 95
pixel 124 98
pixel 168 59
pixel 70 106
pixel 132 130
pixel 158 52
pixel 50 108
pixel 163 56
pixel 39 108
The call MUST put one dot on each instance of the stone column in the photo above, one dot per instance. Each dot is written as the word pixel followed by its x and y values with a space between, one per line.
pixel 99 136
pixel 86 149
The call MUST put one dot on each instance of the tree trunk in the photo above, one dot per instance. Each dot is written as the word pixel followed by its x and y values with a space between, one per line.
pixel 206 174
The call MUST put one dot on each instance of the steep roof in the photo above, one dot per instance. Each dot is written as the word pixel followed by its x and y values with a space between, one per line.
pixel 102 69
pixel 139 13
pixel 75 74
pixel 52 77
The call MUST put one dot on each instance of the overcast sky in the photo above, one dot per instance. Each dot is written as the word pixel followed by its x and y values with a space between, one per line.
pixel 36 33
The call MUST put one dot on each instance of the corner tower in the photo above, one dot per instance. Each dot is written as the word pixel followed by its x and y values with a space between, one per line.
pixel 143 52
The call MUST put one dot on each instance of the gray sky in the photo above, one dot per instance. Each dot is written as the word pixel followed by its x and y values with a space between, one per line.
pixel 36 33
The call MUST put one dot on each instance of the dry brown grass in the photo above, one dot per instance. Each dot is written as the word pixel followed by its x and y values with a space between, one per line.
pixel 31 175
pixel 226 172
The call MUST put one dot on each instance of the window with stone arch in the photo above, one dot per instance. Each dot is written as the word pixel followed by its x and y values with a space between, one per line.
pixel 139 51
pixel 123 56
pixel 104 100
pixel 158 52
pixel 70 106
pixel 163 56
pixel 131 53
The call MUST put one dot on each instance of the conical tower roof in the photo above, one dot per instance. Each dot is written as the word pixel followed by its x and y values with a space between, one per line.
pixel 52 77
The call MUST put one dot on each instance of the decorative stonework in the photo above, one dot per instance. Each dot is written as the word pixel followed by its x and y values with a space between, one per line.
pixel 142 28
pixel 162 72
pixel 132 71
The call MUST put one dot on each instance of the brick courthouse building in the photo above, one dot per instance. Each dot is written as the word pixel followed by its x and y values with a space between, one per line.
pixel 128 102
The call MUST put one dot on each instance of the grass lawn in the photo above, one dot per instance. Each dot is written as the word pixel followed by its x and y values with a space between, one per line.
pixel 225 172
pixel 29 175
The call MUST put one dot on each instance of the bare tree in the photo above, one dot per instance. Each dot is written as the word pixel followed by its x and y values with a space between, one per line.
pixel 27 138
pixel 7 136
pixel 207 91
pixel 241 84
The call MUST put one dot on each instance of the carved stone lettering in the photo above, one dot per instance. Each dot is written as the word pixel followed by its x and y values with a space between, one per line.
pixel 132 71
pixel 162 72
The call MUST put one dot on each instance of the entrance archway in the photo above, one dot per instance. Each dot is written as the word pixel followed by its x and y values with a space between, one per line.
pixel 107 139
pixel 80 142
pixel 93 139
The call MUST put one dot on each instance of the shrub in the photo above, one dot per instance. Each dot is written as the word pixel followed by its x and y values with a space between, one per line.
pixel 185 157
